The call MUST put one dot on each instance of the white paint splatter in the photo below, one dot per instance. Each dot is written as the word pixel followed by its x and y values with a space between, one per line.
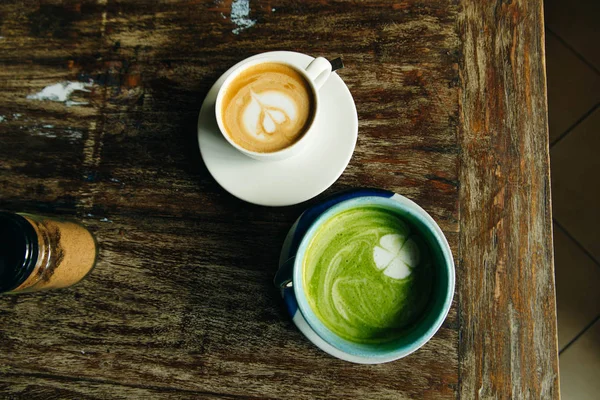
pixel 273 10
pixel 61 92
pixel 16 116
pixel 105 220
pixel 2 118
pixel 45 134
pixel 71 134
pixel 70 103
pixel 240 11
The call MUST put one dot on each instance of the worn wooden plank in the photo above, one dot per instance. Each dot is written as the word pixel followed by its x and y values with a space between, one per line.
pixel 39 386
pixel 181 303
pixel 193 315
pixel 182 298
pixel 508 346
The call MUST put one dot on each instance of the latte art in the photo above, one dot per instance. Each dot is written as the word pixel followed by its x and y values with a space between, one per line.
pixel 267 108
pixel 267 111
pixel 367 275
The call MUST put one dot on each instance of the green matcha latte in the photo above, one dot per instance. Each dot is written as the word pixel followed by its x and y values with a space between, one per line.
pixel 367 275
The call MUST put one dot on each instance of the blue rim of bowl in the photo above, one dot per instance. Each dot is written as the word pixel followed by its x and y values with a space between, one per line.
pixel 414 210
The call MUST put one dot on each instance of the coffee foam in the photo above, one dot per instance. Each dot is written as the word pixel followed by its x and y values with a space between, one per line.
pixel 367 275
pixel 267 108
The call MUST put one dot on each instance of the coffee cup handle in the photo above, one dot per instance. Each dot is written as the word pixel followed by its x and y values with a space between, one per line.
pixel 283 277
pixel 318 71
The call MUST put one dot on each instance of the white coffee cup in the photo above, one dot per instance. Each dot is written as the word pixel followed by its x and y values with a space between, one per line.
pixel 316 74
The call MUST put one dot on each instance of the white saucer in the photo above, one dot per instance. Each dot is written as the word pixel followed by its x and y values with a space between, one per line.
pixel 293 180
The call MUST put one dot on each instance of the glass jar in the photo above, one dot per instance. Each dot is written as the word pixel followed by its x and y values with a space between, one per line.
pixel 40 253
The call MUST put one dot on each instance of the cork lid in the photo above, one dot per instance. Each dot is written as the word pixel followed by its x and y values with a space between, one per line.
pixel 18 250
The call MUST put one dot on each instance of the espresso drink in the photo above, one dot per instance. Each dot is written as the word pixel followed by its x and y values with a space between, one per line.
pixel 268 107
pixel 366 275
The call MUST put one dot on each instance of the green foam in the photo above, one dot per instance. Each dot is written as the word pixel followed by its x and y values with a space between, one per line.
pixel 346 289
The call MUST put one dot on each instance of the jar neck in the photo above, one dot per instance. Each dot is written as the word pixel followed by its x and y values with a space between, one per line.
pixel 19 250
pixel 47 239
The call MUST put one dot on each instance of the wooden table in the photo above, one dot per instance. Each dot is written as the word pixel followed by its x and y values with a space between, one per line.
pixel 451 99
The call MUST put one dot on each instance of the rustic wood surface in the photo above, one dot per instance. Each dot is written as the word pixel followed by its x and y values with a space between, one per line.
pixel 507 302
pixel 452 114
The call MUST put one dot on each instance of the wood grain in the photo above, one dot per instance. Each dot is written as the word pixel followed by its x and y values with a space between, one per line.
pixel 508 336
pixel 181 304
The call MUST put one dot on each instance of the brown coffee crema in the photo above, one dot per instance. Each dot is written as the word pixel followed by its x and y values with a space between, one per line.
pixel 268 107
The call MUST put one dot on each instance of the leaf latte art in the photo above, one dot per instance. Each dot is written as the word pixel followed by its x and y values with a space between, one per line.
pixel 367 275
pixel 268 107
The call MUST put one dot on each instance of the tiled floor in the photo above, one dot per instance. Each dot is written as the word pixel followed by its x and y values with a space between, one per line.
pixel 573 67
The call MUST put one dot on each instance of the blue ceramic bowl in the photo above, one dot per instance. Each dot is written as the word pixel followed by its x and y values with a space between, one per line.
pixel 289 277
